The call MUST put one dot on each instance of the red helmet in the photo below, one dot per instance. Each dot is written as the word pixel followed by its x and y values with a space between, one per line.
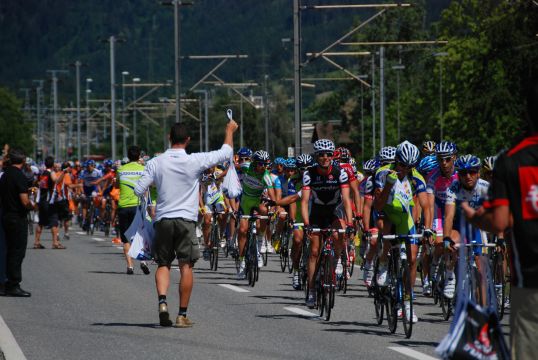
pixel 342 154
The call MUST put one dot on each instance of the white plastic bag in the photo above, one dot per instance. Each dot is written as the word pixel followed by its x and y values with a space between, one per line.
pixel 231 185
pixel 140 233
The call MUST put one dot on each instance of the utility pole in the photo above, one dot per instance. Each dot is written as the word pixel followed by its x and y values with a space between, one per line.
pixel 297 96
pixel 135 80
pixel 381 97
pixel 440 55
pixel 200 117
pixel 112 41
pixel 266 112
pixel 241 122
pixel 39 125
pixel 55 110
pixel 88 126
pixel 206 117
pixel 373 106
pixel 123 75
pixel 77 66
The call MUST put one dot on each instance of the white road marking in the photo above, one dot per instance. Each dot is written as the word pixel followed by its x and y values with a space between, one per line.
pixel 412 353
pixel 119 247
pixel 98 239
pixel 8 344
pixel 302 312
pixel 81 233
pixel 234 288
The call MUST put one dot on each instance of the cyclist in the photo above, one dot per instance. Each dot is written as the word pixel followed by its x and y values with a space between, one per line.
pixel 342 157
pixel 487 168
pixel 428 148
pixel 254 181
pixel 211 196
pixel 439 180
pixel 329 187
pixel 470 188
pixel 88 177
pixel 395 187
pixel 367 193
pixel 427 165
pixel 105 185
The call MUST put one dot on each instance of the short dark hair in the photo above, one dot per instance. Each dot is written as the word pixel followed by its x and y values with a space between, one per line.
pixel 16 156
pixel 178 134
pixel 49 162
pixel 133 153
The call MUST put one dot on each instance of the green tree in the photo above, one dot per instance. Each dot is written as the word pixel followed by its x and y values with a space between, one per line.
pixel 16 131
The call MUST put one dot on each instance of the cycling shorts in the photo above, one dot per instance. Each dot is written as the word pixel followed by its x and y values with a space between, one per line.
pixel 402 222
pixel 322 216
pixel 219 207
pixel 248 203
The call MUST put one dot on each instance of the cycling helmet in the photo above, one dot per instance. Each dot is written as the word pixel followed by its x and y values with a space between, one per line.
pixel 445 148
pixel 467 162
pixel 290 164
pixel 428 147
pixel 323 145
pixel 244 152
pixel 343 154
pixel 125 160
pixel 489 163
pixel 90 163
pixel 387 155
pixel 427 164
pixel 261 156
pixel 304 161
pixel 407 154
pixel 279 161
pixel 108 163
pixel 370 166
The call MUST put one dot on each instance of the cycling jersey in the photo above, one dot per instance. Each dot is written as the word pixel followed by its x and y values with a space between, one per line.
pixel 366 187
pixel 438 186
pixel 349 171
pixel 456 194
pixel 212 195
pixel 253 186
pixel 294 187
pixel 46 187
pixel 88 178
pixel 399 205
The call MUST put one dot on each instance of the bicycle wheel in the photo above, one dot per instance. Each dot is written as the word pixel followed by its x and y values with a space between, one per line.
pixel 352 257
pixel 499 281
pixel 215 244
pixel 282 253
pixel 407 299
pixel 265 255
pixel 330 282
pixel 379 306
pixel 391 298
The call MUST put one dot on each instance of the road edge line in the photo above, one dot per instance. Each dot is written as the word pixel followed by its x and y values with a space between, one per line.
pixel 411 353
pixel 8 344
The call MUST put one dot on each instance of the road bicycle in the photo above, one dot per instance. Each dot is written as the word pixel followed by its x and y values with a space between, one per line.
pixel 214 239
pixel 251 251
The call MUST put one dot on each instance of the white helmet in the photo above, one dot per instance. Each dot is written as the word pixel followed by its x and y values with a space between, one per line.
pixel 323 145
pixel 407 154
pixel 387 155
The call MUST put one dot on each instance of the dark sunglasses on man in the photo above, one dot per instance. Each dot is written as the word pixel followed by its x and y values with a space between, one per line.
pixel 471 172
pixel 445 158
pixel 325 154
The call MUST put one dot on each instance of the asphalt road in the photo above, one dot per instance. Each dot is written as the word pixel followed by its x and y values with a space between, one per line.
pixel 84 306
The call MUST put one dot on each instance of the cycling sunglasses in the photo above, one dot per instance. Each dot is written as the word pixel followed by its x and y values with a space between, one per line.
pixel 445 158
pixel 466 172
pixel 243 159
pixel 404 165
pixel 325 154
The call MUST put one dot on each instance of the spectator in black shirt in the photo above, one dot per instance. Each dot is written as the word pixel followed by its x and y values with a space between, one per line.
pixel 15 204
pixel 514 203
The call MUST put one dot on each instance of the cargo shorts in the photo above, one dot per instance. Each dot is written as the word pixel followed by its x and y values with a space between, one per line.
pixel 175 238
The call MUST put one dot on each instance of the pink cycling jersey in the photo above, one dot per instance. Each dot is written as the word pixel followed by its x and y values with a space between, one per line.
pixel 438 185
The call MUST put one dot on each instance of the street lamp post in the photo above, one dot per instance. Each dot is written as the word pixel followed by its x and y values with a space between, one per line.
pixel 88 92
pixel 440 55
pixel 123 115
pixel 77 67
pixel 112 41
pixel 297 74
pixel 135 80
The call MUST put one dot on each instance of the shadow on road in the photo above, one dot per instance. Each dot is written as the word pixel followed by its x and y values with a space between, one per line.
pixel 151 326
pixel 111 272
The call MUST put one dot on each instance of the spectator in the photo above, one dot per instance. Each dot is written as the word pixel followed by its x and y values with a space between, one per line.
pixel 127 177
pixel 514 203
pixel 48 214
pixel 63 194
pixel 15 203
pixel 176 176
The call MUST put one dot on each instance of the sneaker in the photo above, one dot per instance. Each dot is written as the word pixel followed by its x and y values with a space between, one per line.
pixel 382 275
pixel 426 288
pixel 339 268
pixel 260 261
pixel 296 283
pixel 407 313
pixel 130 271
pixel 145 268
pixel 222 243
pixel 311 300
pixel 450 286
pixel 66 236
pixel 270 248
pixel 263 248
pixel 206 254
pixel 164 316
pixel 241 274
pixel 367 274
pixel 506 302
pixel 183 322
pixel 400 313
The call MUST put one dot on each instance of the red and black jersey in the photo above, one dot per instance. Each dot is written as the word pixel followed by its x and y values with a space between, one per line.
pixel 325 187
pixel 515 184
pixel 46 186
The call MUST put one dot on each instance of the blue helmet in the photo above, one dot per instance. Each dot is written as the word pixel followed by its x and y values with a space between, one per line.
pixel 90 163
pixel 279 161
pixel 244 152
pixel 290 164
pixel 445 148
pixel 371 165
pixel 467 162
pixel 304 161
pixel 427 164
pixel 108 163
